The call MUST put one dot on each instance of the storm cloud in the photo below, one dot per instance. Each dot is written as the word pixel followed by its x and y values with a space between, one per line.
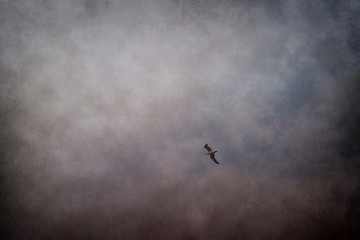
pixel 106 106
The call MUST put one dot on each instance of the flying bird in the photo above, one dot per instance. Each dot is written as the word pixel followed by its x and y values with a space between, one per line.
pixel 211 153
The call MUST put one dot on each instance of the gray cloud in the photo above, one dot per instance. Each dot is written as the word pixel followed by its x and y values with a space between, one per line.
pixel 106 106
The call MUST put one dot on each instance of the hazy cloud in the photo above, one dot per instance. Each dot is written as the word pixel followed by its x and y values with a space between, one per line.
pixel 106 106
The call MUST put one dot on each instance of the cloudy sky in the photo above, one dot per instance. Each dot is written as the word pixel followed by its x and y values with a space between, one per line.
pixel 106 106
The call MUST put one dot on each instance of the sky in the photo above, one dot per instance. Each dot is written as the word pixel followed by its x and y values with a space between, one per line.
pixel 106 106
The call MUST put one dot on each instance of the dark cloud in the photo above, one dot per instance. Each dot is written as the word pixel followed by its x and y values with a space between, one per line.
pixel 106 107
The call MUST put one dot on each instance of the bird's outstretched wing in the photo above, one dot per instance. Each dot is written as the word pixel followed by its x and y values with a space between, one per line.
pixel 212 156
pixel 207 148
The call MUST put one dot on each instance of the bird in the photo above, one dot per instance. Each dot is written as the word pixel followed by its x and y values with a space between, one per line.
pixel 211 153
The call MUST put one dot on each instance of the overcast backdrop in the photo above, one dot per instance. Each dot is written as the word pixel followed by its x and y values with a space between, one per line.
pixel 106 106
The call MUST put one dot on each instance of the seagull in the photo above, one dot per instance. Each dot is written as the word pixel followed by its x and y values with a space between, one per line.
pixel 211 153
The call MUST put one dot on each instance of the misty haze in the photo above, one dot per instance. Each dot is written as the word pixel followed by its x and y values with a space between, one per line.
pixel 106 107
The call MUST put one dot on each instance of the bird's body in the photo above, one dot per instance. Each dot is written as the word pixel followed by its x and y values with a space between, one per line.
pixel 211 153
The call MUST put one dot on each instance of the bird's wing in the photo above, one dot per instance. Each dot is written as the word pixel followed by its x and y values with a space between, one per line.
pixel 212 156
pixel 207 148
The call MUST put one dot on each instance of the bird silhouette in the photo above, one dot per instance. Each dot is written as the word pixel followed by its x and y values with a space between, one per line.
pixel 211 153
